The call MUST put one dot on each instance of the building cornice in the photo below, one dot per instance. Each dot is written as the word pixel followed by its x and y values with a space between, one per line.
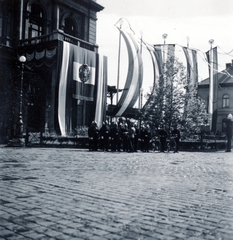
pixel 94 6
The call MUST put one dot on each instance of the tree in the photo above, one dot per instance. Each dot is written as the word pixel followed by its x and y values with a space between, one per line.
pixel 174 100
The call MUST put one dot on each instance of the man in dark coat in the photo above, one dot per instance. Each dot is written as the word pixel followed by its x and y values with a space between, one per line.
pixel 125 137
pixel 115 137
pixel 163 137
pixel 147 138
pixel 93 134
pixel 136 136
pixel 104 136
pixel 229 132
pixel 176 135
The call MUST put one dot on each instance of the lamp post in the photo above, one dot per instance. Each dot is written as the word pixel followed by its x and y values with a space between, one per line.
pixel 164 38
pixel 19 130
pixel 140 108
pixel 211 84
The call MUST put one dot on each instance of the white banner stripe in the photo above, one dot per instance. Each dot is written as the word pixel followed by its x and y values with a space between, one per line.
pixel 62 89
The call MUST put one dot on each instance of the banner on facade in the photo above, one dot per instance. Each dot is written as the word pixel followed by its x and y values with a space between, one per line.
pixel 74 91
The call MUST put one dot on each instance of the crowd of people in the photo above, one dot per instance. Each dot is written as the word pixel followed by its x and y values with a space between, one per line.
pixel 125 136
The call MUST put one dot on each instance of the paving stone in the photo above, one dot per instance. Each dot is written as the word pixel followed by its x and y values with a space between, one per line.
pixel 51 193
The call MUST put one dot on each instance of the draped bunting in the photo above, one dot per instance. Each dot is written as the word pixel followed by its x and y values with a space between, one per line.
pixel 74 95
pixel 42 57
pixel 134 76
pixel 212 58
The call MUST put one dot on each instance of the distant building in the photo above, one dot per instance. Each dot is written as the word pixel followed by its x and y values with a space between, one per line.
pixel 58 39
pixel 224 104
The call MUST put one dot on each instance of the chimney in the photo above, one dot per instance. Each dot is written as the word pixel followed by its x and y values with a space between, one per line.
pixel 228 65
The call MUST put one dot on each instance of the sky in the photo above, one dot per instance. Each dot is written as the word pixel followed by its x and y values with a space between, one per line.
pixel 192 22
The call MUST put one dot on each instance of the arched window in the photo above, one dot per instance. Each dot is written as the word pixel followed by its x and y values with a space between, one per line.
pixel 36 21
pixel 225 101
pixel 69 27
pixel 73 25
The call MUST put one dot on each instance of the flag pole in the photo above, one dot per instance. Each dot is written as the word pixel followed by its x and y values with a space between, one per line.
pixel 164 70
pixel 118 70
pixel 139 90
pixel 211 89
pixel 188 41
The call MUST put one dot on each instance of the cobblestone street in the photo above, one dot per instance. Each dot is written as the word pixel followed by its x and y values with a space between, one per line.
pixel 49 193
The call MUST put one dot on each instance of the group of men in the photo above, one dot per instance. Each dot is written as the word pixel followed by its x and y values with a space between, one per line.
pixel 127 137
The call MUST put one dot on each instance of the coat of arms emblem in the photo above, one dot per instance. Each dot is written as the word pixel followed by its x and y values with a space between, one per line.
pixel 84 73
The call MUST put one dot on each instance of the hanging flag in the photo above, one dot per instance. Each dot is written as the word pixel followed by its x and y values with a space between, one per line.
pixel 163 53
pixel 134 76
pixel 212 58
pixel 171 51
pixel 82 88
pixel 192 70
pixel 159 59
pixel 101 90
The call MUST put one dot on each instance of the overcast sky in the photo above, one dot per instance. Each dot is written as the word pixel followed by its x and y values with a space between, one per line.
pixel 199 20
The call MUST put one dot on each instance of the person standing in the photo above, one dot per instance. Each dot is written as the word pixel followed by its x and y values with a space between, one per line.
pixel 93 134
pixel 125 137
pixel 176 135
pixel 132 131
pixel 142 133
pixel 115 136
pixel 136 136
pixel 104 136
pixel 229 132
pixel 147 138
pixel 163 137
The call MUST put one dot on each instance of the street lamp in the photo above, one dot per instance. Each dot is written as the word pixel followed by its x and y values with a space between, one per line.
pixel 19 130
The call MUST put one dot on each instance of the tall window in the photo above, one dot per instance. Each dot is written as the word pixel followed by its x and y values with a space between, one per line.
pixel 69 27
pixel 6 23
pixel 225 101
pixel 0 23
pixel 36 21
pixel 74 25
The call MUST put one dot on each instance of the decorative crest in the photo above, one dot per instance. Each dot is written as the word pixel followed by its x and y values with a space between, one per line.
pixel 84 73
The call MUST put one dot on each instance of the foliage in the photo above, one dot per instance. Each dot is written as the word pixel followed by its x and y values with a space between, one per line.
pixel 81 131
pixel 174 100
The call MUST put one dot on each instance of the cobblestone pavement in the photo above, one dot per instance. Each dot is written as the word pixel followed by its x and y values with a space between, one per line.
pixel 77 194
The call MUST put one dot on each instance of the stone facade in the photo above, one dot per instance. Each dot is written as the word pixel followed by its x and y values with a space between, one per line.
pixel 34 28
pixel 224 103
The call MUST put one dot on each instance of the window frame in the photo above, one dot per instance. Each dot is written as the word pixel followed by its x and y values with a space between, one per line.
pixel 226 101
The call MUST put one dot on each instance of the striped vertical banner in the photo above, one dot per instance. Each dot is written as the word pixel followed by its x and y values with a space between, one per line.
pixel 101 91
pixel 134 76
pixel 162 54
pixel 159 59
pixel 171 51
pixel 73 93
pixel 212 57
pixel 192 70
pixel 63 88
